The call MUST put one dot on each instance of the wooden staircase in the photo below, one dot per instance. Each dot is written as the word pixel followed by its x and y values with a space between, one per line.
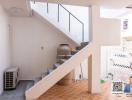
pixel 66 63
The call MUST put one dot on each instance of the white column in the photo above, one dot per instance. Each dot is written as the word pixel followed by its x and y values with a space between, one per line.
pixel 94 71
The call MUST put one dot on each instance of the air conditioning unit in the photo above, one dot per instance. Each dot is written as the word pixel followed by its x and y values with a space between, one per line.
pixel 11 78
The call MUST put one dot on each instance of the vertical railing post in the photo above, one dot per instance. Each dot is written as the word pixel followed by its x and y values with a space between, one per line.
pixel 69 22
pixel 83 33
pixel 47 8
pixel 58 13
pixel 70 14
pixel 34 1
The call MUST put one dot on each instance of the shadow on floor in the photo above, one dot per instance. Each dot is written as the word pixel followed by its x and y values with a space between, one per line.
pixel 18 93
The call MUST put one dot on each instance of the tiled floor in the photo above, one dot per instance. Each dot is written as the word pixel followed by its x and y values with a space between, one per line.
pixel 78 91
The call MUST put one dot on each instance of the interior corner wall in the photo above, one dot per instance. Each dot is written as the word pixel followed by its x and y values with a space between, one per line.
pixel 34 44
pixel 4 45
pixel 104 32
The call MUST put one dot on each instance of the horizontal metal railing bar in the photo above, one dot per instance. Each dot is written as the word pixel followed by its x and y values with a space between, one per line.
pixel 71 13
pixel 67 11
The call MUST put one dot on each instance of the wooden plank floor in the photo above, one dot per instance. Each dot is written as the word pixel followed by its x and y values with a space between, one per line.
pixel 78 91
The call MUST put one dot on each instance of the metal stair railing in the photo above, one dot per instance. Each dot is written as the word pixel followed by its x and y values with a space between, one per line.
pixel 69 14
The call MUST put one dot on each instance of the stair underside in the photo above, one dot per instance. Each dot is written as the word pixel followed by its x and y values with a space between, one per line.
pixel 56 25
pixel 47 82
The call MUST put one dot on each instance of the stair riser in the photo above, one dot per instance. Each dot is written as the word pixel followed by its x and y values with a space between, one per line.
pixel 79 48
pixel 60 61
pixel 56 66
pixel 74 52
pixel 84 44
pixel 64 57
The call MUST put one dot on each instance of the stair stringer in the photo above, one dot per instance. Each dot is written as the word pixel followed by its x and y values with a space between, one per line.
pixel 47 82
pixel 56 25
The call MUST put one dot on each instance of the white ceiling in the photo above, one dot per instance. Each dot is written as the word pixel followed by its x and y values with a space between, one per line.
pixel 16 7
pixel 113 13
pixel 22 8
pixel 111 8
pixel 105 3
pixel 115 4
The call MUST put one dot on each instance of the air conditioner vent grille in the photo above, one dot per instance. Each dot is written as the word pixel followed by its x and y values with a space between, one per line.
pixel 11 78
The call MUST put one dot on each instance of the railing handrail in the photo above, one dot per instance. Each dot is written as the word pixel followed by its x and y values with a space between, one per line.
pixel 75 18
pixel 71 13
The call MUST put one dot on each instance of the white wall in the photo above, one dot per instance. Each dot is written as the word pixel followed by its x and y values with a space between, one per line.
pixel 82 13
pixel 28 36
pixel 127 32
pixel 104 62
pixel 110 36
pixel 108 32
pixel 4 45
